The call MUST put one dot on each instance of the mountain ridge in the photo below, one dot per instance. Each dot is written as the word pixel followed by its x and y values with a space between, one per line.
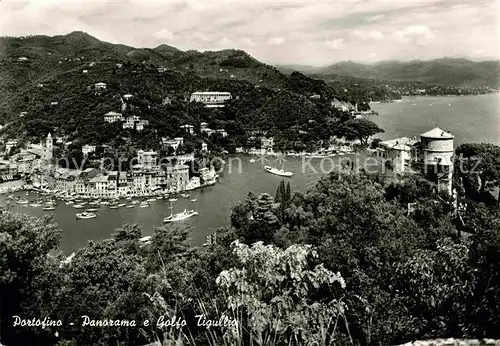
pixel 442 71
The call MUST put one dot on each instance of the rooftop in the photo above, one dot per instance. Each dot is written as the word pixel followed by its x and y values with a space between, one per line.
pixel 437 133
pixel 211 93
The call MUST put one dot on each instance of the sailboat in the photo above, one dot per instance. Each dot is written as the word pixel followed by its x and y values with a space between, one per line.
pixel 277 171
pixel 186 214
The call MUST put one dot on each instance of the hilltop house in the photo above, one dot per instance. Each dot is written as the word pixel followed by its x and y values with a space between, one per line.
pixel 211 98
pixel 188 128
pixel 100 86
pixel 87 149
pixel 431 155
pixel 112 117
pixel 222 132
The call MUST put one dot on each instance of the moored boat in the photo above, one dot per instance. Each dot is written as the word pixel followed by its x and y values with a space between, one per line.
pixel 185 195
pixel 91 210
pixel 85 215
pixel 121 205
pixel 49 207
pixel 22 201
pixel 78 206
pixel 186 214
pixel 280 172
pixel 131 206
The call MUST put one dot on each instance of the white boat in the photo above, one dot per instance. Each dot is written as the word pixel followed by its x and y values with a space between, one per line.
pixel 91 210
pixel 151 200
pixel 185 195
pixel 131 206
pixel 113 207
pixel 22 201
pixel 145 239
pixel 276 171
pixel 104 203
pixel 69 202
pixel 144 205
pixel 186 214
pixel 78 206
pixel 121 205
pixel 35 205
pixel 173 199
pixel 49 207
pixel 128 198
pixel 252 160
pixel 194 200
pixel 85 215
pixel 135 202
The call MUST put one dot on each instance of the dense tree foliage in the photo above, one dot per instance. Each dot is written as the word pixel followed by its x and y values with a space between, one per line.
pixel 407 273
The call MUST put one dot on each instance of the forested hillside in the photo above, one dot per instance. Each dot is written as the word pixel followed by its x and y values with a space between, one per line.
pixel 56 89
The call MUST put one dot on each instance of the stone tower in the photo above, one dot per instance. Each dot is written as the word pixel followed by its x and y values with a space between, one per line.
pixel 49 147
pixel 437 157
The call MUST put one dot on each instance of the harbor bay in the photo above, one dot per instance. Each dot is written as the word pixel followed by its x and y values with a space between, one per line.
pixel 410 117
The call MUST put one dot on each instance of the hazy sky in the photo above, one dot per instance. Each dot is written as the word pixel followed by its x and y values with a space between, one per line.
pixel 298 32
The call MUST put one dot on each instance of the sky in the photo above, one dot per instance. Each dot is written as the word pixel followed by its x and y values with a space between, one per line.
pixel 301 32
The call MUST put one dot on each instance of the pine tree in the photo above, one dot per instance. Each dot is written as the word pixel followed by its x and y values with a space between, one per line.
pixel 279 195
pixel 288 195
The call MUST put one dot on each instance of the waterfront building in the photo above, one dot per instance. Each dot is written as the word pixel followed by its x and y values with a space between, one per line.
pixel 127 96
pixel 147 159
pixel 65 179
pixel 112 117
pixel 204 146
pixel 267 144
pixel 8 171
pixel 22 59
pixel 180 176
pixel 98 187
pixel 87 149
pixel 211 98
pixel 23 114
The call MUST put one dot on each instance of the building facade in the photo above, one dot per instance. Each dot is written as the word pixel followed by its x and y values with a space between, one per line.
pixel 211 98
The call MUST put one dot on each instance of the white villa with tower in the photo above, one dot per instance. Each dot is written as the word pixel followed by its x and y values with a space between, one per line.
pixel 431 155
